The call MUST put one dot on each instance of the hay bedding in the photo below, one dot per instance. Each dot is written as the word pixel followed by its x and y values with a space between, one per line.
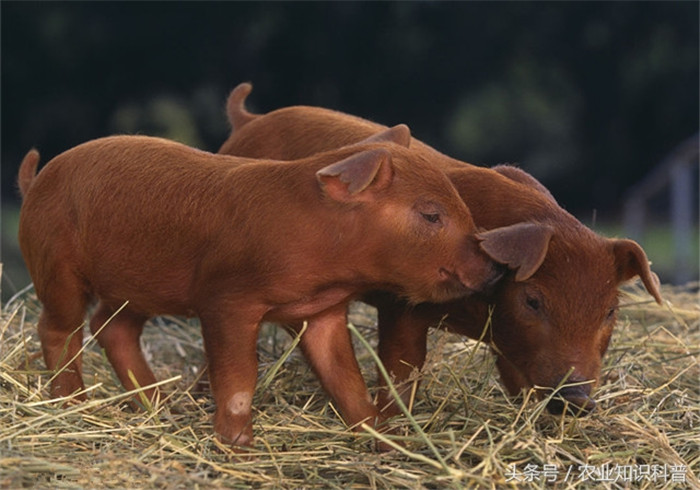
pixel 466 432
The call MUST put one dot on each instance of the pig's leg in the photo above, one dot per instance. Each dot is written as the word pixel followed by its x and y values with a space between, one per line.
pixel 120 340
pixel 230 341
pixel 328 348
pixel 402 348
pixel 61 332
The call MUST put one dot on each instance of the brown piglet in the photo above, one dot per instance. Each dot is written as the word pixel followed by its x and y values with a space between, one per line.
pixel 234 241
pixel 553 314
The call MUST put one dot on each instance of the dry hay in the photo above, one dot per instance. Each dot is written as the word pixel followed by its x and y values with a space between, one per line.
pixel 466 432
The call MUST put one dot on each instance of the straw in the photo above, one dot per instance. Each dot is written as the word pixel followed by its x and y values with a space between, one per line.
pixel 463 430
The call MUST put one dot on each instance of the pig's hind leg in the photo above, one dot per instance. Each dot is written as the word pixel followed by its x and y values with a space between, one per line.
pixel 60 331
pixel 119 336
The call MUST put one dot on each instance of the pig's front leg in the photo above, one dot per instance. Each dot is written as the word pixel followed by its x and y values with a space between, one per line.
pixel 402 348
pixel 230 340
pixel 328 348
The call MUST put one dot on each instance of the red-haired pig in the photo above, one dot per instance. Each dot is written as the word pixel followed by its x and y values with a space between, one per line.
pixel 554 312
pixel 235 241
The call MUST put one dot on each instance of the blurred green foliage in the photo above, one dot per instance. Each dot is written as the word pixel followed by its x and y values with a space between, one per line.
pixel 591 93
pixel 657 241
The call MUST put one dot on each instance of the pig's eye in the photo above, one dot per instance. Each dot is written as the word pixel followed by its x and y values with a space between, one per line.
pixel 532 303
pixel 432 217
pixel 611 314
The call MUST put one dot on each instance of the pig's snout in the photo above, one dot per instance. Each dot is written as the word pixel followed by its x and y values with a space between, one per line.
pixel 496 273
pixel 575 399
pixel 476 271
pixel 481 280
pixel 455 282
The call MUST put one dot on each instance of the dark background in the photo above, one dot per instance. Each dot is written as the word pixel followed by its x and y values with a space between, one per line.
pixel 586 96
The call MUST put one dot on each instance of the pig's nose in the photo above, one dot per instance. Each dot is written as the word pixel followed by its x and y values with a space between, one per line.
pixel 572 398
pixel 485 282
pixel 496 274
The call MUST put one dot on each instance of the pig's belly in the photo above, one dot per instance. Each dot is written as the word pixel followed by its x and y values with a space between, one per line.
pixel 310 306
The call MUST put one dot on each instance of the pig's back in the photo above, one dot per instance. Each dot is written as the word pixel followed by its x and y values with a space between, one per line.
pixel 130 214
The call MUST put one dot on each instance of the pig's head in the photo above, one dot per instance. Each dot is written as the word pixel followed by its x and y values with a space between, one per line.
pixel 556 310
pixel 414 229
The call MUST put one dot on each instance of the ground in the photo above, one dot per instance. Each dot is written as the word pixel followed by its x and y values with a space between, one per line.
pixel 466 432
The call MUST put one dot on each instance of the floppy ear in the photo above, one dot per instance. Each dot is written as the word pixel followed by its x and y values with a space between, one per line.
pixel 522 246
pixel 399 134
pixel 632 261
pixel 519 175
pixel 347 179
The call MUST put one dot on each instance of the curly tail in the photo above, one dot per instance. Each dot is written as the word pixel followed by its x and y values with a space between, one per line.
pixel 27 171
pixel 237 114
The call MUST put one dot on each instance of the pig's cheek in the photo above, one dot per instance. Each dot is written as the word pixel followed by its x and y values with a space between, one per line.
pixel 604 341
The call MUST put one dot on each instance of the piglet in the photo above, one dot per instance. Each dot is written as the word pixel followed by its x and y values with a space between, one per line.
pixel 233 241
pixel 553 314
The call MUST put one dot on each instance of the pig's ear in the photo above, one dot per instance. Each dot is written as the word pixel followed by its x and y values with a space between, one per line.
pixel 632 261
pixel 522 246
pixel 347 179
pixel 399 134
pixel 519 175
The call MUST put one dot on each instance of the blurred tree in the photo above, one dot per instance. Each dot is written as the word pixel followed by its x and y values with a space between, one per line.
pixel 586 95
